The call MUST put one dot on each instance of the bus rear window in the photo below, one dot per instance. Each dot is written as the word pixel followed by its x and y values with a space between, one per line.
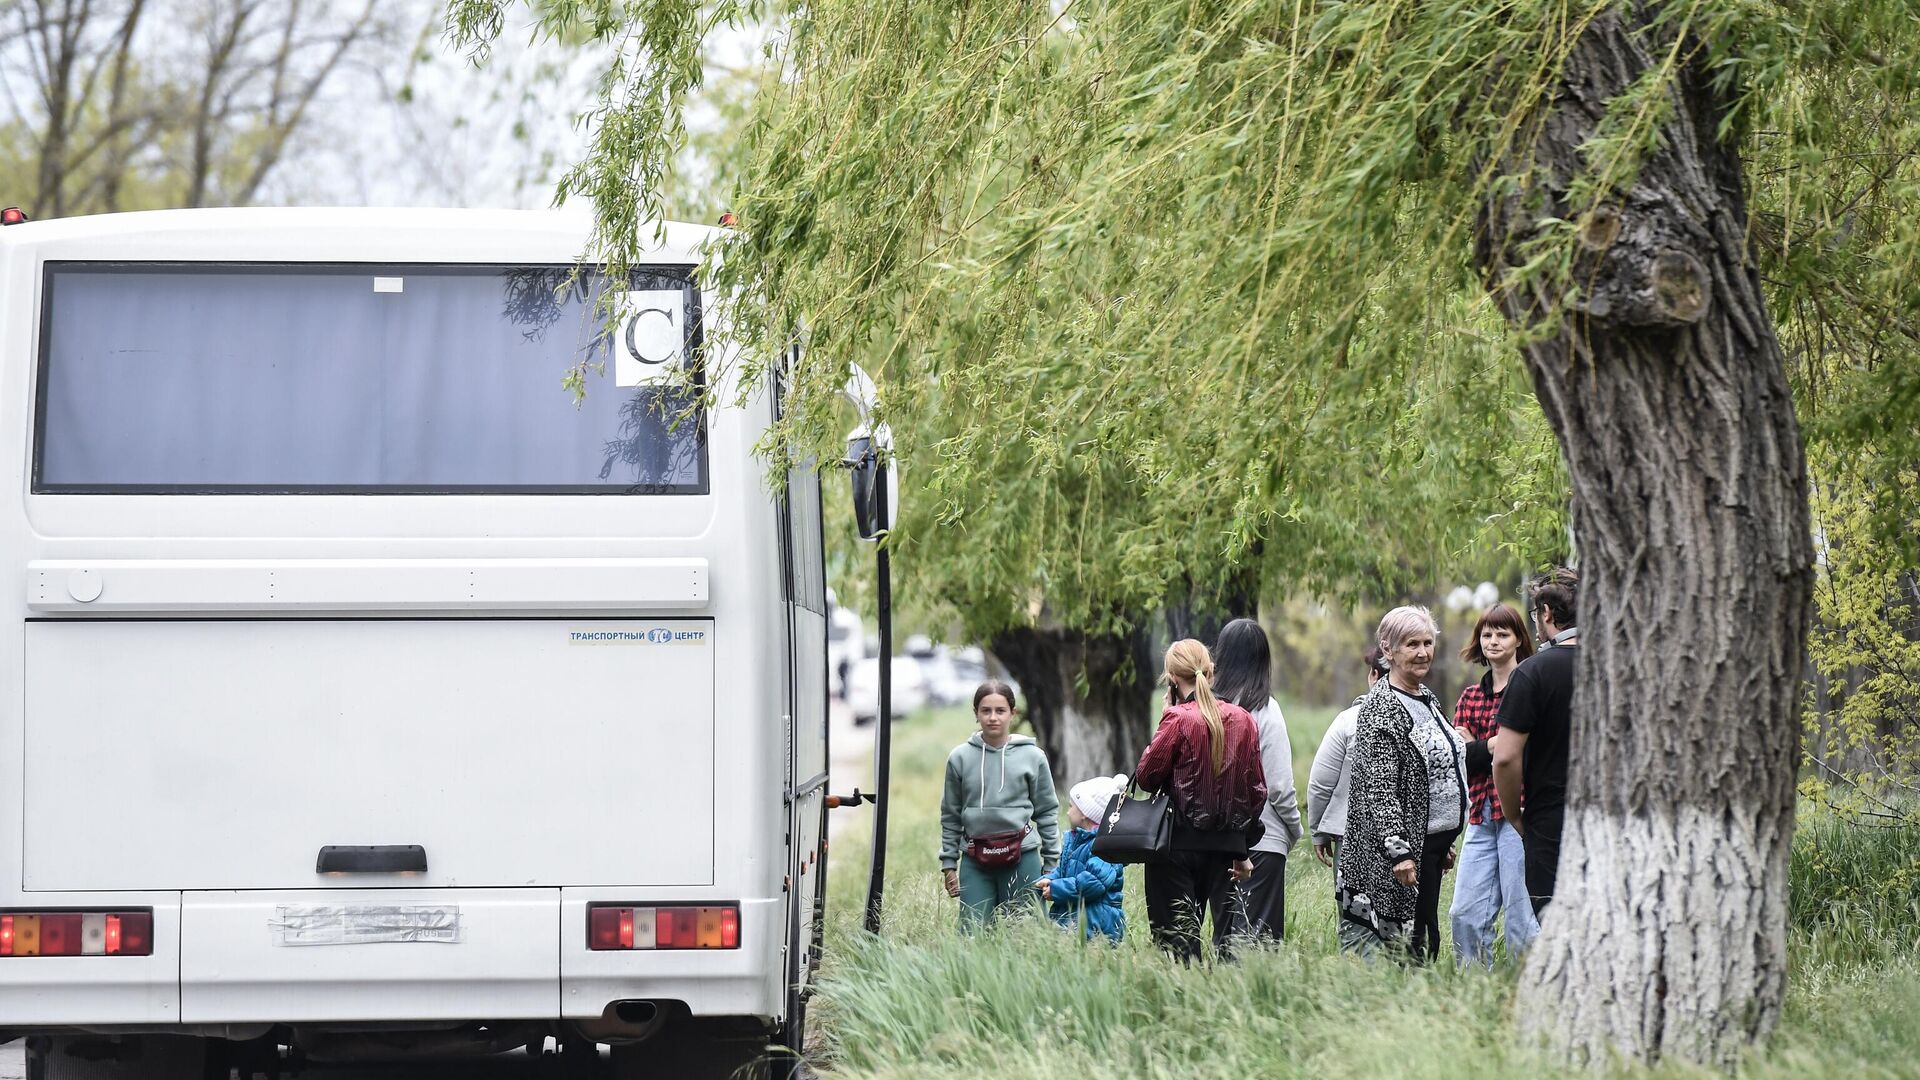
pixel 288 379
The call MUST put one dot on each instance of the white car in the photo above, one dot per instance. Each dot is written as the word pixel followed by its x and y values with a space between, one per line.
pixel 965 670
pixel 863 688
pixel 952 674
pixel 846 644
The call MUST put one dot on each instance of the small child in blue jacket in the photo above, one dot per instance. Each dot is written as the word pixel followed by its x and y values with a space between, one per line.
pixel 1082 883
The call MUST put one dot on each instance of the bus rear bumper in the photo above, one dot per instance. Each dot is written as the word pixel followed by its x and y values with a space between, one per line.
pixel 53 991
pixel 746 981
pixel 246 959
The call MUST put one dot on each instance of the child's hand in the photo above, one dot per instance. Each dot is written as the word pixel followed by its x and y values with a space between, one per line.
pixel 953 882
pixel 1046 887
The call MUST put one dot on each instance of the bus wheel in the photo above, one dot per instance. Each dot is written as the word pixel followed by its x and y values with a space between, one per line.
pixel 698 1050
pixel 146 1057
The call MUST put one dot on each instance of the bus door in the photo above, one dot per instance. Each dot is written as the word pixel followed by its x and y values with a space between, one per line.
pixel 807 750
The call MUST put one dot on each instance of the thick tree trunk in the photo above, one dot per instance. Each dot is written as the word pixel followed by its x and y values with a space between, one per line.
pixel 1086 696
pixel 1200 608
pixel 1666 388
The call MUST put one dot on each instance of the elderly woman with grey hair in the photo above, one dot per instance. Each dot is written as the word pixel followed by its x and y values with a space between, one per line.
pixel 1407 800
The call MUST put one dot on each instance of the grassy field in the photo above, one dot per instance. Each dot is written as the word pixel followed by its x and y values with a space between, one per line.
pixel 1030 1001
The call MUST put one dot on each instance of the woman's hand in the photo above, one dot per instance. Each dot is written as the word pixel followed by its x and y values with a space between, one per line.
pixel 1448 865
pixel 1242 869
pixel 953 881
pixel 1406 873
pixel 1324 852
pixel 1045 886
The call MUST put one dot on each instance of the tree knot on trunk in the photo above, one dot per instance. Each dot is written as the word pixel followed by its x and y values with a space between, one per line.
pixel 1600 229
pixel 1679 287
pixel 1636 280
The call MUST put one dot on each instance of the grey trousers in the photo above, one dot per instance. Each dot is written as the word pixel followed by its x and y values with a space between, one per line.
pixel 1359 938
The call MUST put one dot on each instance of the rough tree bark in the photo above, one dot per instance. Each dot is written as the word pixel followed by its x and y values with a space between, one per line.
pixel 1098 730
pixel 1666 387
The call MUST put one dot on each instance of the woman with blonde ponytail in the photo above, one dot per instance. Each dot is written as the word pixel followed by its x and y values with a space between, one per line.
pixel 1206 756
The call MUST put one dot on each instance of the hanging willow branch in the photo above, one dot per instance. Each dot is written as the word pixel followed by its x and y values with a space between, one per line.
pixel 1112 257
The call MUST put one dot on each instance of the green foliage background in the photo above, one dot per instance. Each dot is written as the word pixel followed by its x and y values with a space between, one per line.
pixel 1158 287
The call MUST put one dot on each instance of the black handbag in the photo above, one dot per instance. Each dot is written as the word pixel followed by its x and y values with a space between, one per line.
pixel 1135 830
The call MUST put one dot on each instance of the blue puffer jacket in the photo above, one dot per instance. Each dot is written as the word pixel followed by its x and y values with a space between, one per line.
pixel 1082 881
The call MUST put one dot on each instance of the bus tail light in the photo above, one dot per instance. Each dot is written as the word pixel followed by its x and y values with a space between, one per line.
pixel 618 927
pixel 76 933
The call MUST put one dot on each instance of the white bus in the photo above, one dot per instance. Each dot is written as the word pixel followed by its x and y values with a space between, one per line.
pixel 373 698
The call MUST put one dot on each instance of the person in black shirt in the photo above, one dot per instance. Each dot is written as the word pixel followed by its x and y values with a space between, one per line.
pixel 1536 719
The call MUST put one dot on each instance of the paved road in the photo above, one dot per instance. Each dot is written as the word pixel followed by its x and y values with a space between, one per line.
pixel 851 766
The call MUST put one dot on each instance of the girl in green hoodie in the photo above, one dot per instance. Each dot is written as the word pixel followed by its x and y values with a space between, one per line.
pixel 999 799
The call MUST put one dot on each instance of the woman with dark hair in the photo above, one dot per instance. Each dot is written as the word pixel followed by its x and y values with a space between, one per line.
pixel 1242 674
pixel 1493 860
pixel 1206 755
pixel 999 816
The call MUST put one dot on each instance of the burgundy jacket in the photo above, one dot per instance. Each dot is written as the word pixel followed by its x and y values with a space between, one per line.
pixel 1179 762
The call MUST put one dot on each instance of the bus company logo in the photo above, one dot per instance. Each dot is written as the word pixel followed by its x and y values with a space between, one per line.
pixel 654 635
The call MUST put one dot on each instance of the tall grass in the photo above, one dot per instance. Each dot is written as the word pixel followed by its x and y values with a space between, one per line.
pixel 1027 1000
pixel 1855 896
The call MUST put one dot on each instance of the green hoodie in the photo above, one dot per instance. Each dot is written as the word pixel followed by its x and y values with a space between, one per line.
pixel 998 791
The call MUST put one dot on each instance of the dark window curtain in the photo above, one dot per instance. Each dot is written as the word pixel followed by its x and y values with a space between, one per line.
pixel 292 378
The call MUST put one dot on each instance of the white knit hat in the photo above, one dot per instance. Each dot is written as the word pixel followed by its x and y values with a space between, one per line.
pixel 1091 797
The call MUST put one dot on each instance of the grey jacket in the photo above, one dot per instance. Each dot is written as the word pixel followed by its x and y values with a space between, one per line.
pixel 1281 815
pixel 1327 784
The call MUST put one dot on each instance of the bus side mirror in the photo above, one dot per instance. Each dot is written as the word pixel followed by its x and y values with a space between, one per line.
pixel 864 465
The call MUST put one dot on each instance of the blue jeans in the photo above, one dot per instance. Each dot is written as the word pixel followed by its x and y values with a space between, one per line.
pixel 1492 875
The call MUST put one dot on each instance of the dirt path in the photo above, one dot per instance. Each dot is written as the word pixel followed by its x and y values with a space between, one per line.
pixel 850 764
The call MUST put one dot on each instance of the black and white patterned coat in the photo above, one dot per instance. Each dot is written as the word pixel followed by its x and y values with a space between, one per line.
pixel 1387 804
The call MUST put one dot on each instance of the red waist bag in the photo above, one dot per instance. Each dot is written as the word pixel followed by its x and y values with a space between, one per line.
pixel 996 850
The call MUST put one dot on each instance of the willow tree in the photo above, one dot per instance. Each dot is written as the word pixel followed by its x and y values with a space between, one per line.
pixel 1038 517
pixel 1074 463
pixel 1837 211
pixel 1311 232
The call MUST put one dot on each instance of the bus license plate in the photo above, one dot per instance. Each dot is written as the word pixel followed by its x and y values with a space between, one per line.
pixel 364 924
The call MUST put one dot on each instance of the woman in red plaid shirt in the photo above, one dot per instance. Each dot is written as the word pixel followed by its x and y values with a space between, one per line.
pixel 1493 866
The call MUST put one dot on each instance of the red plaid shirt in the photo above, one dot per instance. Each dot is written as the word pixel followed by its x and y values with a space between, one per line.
pixel 1475 715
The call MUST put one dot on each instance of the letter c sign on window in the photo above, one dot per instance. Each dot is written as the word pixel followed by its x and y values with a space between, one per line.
pixel 652 338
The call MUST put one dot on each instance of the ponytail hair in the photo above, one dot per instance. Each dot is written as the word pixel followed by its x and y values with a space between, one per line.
pixel 1188 659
